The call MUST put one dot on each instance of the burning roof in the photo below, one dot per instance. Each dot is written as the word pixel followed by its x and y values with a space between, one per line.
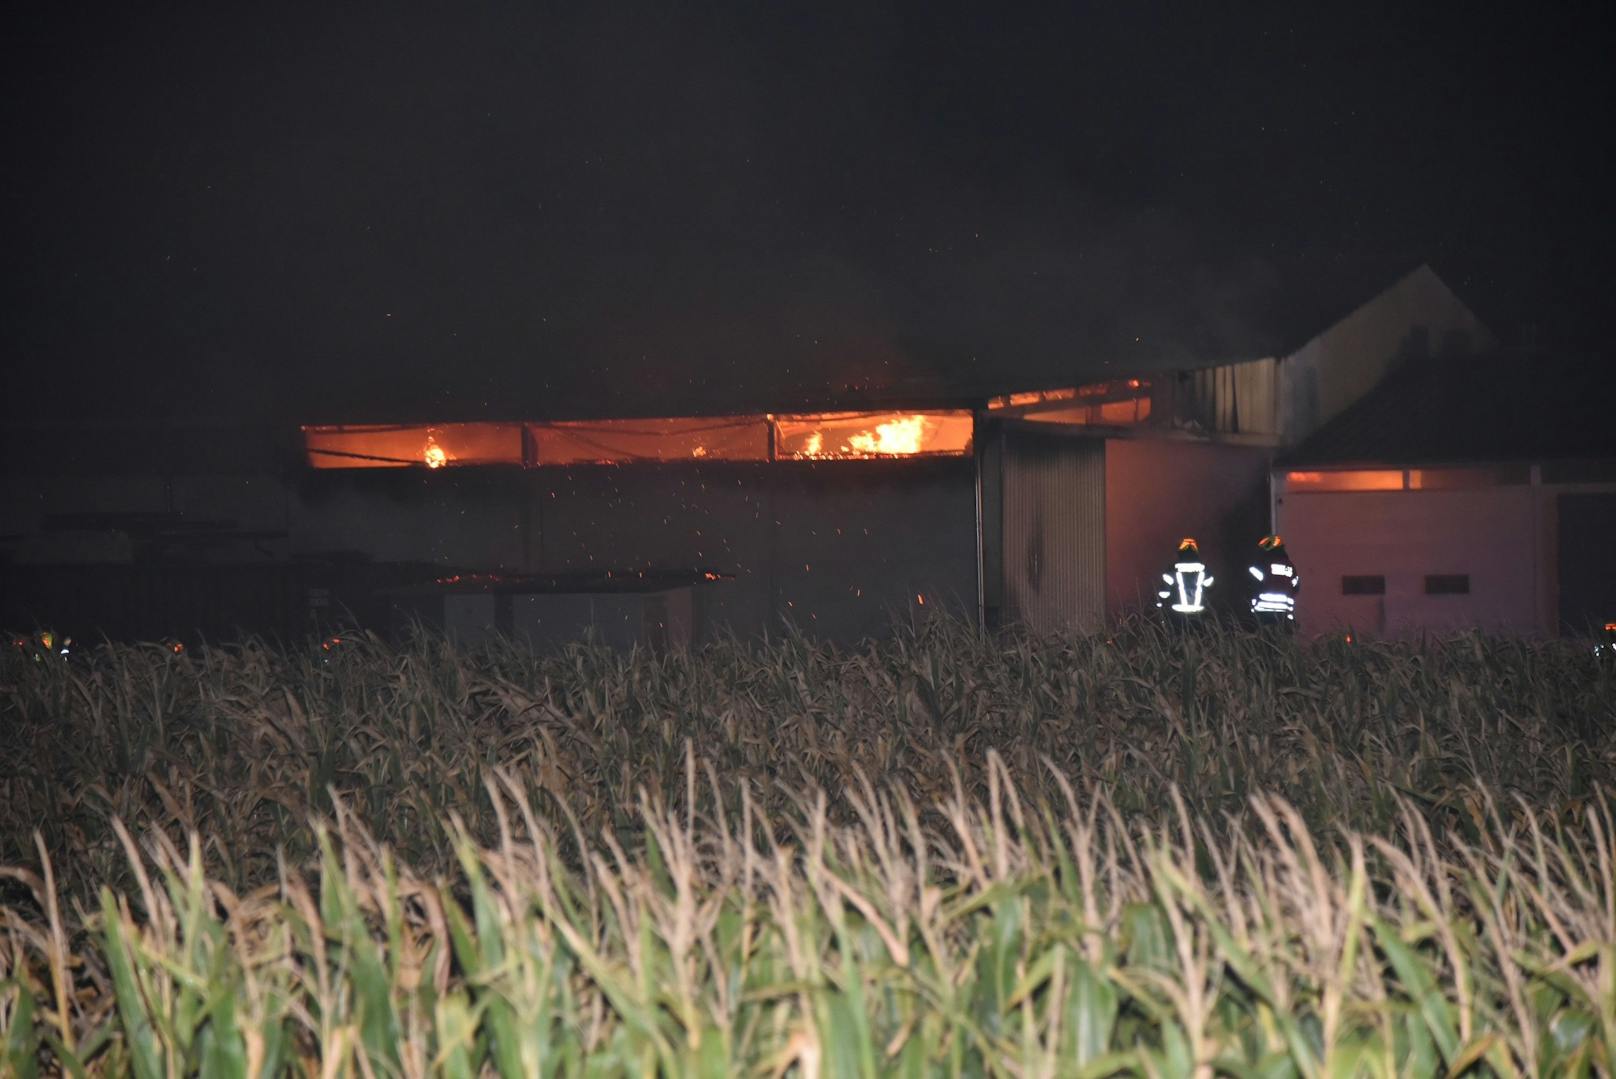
pixel 828 436
pixel 869 434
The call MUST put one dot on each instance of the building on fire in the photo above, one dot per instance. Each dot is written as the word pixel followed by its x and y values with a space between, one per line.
pixel 1045 502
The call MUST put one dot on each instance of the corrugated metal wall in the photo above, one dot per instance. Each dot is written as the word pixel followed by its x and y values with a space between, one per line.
pixel 1233 398
pixel 1053 553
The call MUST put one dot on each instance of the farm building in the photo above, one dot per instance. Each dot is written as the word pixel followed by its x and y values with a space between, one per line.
pixel 1047 502
pixel 1459 492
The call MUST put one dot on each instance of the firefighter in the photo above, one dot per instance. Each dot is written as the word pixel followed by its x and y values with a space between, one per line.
pixel 1274 584
pixel 1183 597
pixel 1607 643
pixel 44 645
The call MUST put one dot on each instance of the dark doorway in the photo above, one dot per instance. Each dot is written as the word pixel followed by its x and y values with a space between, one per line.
pixel 1587 577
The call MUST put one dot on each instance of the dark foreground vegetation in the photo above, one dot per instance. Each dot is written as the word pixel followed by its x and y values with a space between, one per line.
pixel 942 854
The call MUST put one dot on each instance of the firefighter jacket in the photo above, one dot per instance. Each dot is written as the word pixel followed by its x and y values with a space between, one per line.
pixel 1274 583
pixel 1184 588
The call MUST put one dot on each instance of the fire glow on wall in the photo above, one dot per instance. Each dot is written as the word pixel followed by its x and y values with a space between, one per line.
pixel 826 436
pixel 1117 403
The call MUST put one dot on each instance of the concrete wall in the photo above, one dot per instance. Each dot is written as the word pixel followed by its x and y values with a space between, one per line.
pixel 1419 315
pixel 1158 491
pixel 1492 534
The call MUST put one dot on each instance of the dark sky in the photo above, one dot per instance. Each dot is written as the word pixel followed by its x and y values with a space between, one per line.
pixel 314 212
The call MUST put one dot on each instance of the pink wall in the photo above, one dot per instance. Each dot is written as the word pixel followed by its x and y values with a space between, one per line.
pixel 1157 491
pixel 1492 534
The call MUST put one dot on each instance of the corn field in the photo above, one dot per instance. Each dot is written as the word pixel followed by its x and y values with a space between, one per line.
pixel 947 853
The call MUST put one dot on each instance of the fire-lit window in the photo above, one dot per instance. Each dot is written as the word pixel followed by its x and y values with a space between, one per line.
pixel 1360 479
pixel 420 446
pixel 849 435
pixel 1032 397
pixel 717 438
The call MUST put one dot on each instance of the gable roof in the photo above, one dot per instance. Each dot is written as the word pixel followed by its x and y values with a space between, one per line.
pixel 1501 407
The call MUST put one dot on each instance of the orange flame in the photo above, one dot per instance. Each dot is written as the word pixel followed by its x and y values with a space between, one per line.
pixel 902 435
pixel 433 454
pixel 896 435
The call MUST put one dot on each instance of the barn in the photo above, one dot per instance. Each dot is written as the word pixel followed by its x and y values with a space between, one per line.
pixel 1048 502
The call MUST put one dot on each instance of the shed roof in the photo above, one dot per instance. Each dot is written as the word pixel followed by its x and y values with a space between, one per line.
pixel 1501 407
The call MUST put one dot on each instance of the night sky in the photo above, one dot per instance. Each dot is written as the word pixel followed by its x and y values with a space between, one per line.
pixel 323 213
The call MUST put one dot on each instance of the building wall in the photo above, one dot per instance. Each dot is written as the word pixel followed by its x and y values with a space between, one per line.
pixel 860 543
pixel 256 502
pixel 1491 534
pixel 669 517
pixel 839 548
pixel 1158 491
pixel 836 547
pixel 1419 315
pixel 460 518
